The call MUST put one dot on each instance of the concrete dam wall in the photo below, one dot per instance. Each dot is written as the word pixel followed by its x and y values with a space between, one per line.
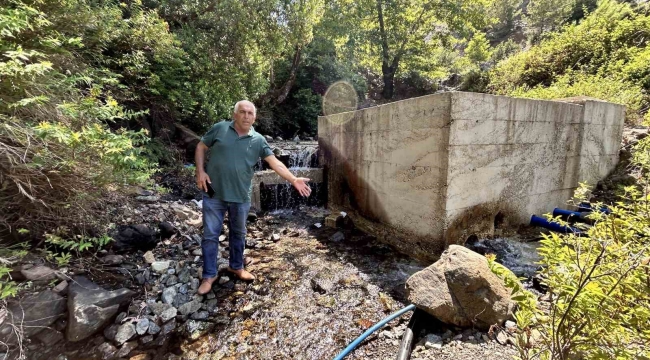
pixel 428 172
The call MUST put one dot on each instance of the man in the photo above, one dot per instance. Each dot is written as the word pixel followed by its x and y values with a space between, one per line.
pixel 235 148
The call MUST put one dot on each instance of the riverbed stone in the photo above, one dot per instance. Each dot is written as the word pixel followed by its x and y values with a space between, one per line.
pixel 142 326
pixel 125 333
pixel 190 307
pixel 106 351
pixel 195 329
pixel 460 289
pixel 149 257
pixel 39 273
pixel 153 328
pixel 160 267
pixel 168 295
pixel 126 349
pixel 112 259
pixel 37 311
pixel 90 307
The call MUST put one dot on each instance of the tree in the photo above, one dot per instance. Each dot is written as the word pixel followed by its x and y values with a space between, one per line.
pixel 478 49
pixel 548 15
pixel 384 34
pixel 505 12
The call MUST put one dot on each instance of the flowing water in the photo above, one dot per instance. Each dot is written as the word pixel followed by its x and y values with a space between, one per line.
pixel 518 256
pixel 312 296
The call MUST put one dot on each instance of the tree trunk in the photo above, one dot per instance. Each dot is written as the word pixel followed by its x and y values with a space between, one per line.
pixel 389 82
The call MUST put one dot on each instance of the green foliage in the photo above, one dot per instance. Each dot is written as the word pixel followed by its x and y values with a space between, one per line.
pixel 504 50
pixel 548 15
pixel 598 283
pixel 607 49
pixel 399 35
pixel 505 12
pixel 8 255
pixel 581 84
pixel 57 101
pixel 478 48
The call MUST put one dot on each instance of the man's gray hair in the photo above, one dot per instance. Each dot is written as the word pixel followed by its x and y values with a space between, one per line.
pixel 245 101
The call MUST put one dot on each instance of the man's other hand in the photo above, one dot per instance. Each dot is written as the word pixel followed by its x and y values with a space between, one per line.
pixel 301 185
pixel 202 180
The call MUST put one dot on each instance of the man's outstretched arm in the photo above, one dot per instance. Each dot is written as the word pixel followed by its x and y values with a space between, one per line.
pixel 299 183
pixel 202 178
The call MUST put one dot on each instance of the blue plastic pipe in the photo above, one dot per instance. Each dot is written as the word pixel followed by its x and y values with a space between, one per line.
pixel 374 328
pixel 571 215
pixel 553 226
pixel 585 206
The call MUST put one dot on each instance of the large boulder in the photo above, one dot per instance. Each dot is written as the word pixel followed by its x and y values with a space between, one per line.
pixel 33 313
pixel 91 308
pixel 460 289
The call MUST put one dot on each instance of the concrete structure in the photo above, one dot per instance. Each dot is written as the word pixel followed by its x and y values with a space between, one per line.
pixel 427 172
pixel 270 177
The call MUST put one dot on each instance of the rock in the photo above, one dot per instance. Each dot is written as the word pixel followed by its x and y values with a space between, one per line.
pixel 511 326
pixel 386 334
pixel 195 329
pixel 49 337
pixel 61 288
pixel 201 315
pixel 275 237
pixel 38 273
pixel 106 351
pixel 121 316
pixel 142 326
pixel 160 266
pixel 141 357
pixel 184 276
pixel 153 328
pixel 502 338
pixel 252 216
pixel 190 307
pixel 278 138
pixel 167 230
pixel 432 341
pixel 140 279
pixel 165 311
pixel 125 333
pixel 149 257
pixel 197 252
pixel 111 331
pixel 268 138
pixel 223 280
pixel 460 289
pixel 90 307
pixel 172 280
pixel 138 237
pixel 184 213
pixel 112 259
pixel 126 349
pixel 180 299
pixel 146 339
pixel 296 139
pixel 337 237
pixel 211 305
pixel 168 295
pixel 148 198
pixel 34 312
pixel 167 328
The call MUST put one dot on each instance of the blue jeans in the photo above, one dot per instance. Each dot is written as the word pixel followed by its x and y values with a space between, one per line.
pixel 213 213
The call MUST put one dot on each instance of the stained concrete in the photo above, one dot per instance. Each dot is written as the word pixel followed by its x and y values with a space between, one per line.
pixel 427 172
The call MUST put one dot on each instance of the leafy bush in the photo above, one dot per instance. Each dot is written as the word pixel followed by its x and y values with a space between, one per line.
pixel 580 84
pixel 609 46
pixel 57 152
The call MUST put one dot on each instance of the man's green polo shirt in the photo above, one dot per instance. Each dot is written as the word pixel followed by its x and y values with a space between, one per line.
pixel 232 158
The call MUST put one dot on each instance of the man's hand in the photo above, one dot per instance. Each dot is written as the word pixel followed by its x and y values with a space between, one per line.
pixel 202 180
pixel 301 185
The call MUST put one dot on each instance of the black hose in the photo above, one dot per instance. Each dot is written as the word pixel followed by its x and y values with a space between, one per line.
pixel 406 345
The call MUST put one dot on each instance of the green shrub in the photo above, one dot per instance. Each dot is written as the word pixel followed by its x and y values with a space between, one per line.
pixel 598 284
pixel 608 47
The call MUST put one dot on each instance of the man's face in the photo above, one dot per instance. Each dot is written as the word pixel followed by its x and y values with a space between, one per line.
pixel 245 115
